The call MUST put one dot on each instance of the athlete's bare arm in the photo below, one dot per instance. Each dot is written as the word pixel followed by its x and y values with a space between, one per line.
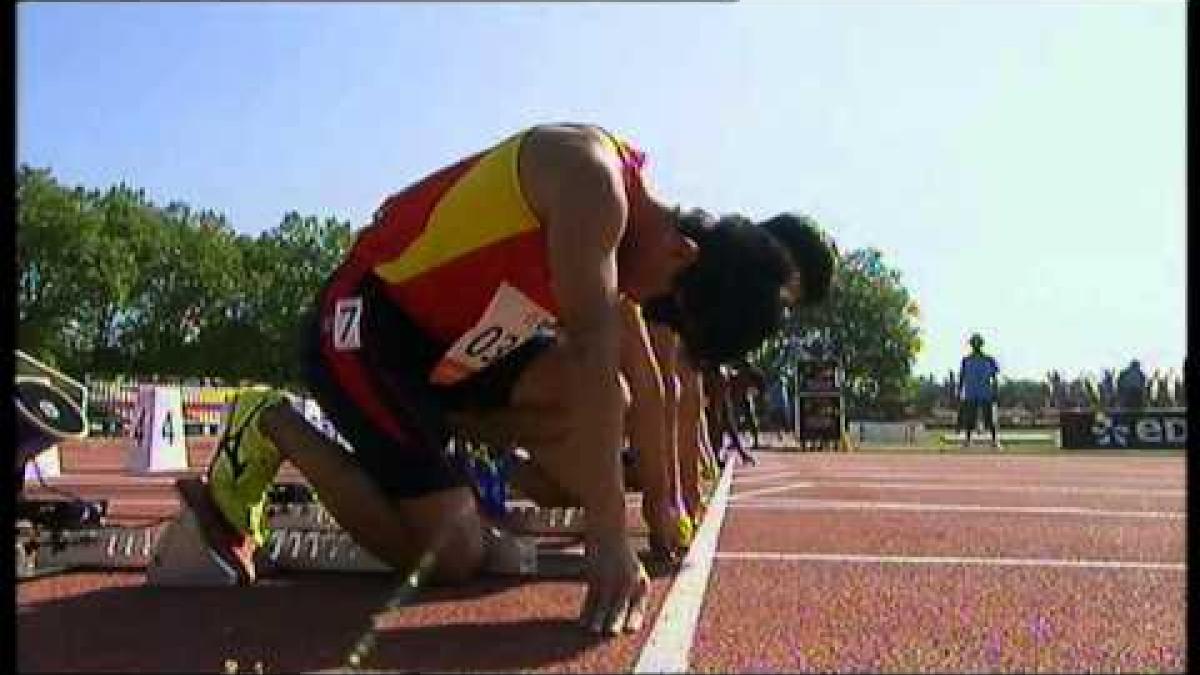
pixel 665 343
pixel 576 189
pixel 691 405
pixel 650 425
pixel 573 182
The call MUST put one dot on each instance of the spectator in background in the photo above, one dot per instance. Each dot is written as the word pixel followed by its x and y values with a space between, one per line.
pixel 978 386
pixel 779 404
pixel 723 414
pixel 1108 388
pixel 1131 386
pixel 746 383
pixel 1091 391
pixel 1158 389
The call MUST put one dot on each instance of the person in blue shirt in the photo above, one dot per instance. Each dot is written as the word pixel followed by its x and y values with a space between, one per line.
pixel 977 388
pixel 1131 386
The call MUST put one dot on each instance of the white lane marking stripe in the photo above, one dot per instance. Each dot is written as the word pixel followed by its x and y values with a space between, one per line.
pixel 760 478
pixel 762 468
pixel 938 560
pixel 669 646
pixel 1070 489
pixel 743 494
pixel 818 504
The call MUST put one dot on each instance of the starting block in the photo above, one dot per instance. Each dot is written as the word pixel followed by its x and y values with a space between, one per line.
pixel 102 547
pixel 556 521
pixel 181 558
pixel 304 538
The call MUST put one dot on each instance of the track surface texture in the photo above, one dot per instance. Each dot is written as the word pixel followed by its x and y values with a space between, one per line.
pixel 825 562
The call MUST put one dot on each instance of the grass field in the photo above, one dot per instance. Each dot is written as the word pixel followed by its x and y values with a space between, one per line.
pixel 1015 441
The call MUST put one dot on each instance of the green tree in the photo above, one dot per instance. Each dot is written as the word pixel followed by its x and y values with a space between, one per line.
pixel 928 393
pixel 131 236
pixel 871 320
pixel 188 279
pixel 285 268
pixel 1029 394
pixel 74 268
pixel 49 232
pixel 110 283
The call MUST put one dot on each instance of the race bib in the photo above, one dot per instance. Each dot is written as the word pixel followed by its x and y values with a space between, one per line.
pixel 510 319
pixel 347 320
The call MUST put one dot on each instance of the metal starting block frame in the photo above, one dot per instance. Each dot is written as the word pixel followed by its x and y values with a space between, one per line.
pixel 555 522
pixel 106 547
pixel 304 537
pixel 532 520
pixel 319 550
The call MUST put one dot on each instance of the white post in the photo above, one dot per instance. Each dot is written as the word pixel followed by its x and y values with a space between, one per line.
pixel 159 443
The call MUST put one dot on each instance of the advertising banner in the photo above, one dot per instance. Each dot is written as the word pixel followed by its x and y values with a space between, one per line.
pixel 1135 429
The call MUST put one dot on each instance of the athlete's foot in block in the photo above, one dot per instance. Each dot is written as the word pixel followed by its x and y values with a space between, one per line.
pixel 234 549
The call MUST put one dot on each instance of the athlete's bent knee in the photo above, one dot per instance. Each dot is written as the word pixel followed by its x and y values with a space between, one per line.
pixel 279 420
pixel 461 558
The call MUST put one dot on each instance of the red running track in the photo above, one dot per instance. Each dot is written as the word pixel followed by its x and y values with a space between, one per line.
pixel 953 579
pixel 884 569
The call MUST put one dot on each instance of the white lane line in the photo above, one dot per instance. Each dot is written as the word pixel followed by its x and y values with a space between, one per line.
pixel 966 487
pixel 760 478
pixel 743 494
pixel 836 504
pixel 120 502
pixel 939 560
pixel 669 646
pixel 769 467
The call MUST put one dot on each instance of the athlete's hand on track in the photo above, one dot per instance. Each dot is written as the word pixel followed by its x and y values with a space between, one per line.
pixel 671 528
pixel 617 586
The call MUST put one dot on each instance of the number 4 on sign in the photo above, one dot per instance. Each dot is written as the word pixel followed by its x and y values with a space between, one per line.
pixel 168 430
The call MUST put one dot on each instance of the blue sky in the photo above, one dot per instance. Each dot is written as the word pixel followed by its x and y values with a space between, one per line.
pixel 1021 163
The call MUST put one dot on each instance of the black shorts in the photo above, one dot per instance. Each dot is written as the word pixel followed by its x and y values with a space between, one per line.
pixel 970 411
pixel 395 358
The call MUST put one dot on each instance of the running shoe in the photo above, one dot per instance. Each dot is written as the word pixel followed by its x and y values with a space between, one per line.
pixel 245 464
pixel 233 549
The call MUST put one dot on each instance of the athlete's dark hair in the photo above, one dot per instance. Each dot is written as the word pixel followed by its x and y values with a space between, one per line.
pixel 814 254
pixel 730 299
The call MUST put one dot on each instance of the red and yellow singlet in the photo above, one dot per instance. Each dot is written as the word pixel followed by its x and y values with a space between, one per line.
pixel 461 254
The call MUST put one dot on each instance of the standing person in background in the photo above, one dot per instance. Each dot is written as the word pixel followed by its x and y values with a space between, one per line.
pixel 1131 386
pixel 779 404
pixel 746 382
pixel 1108 388
pixel 734 394
pixel 977 390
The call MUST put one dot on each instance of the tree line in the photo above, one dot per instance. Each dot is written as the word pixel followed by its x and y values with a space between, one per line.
pixel 111 284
